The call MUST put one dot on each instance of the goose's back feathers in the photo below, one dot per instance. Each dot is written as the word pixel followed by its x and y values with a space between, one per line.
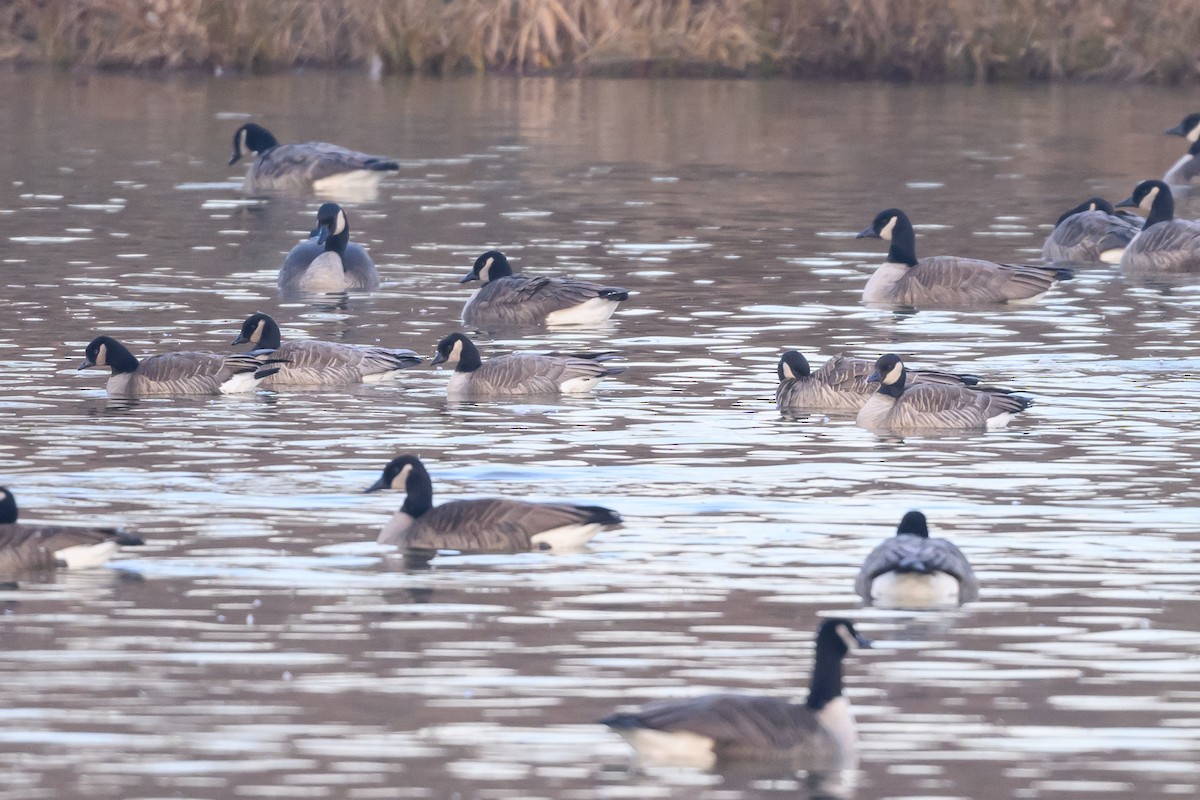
pixel 929 406
pixel 1169 246
pixel 310 166
pixel 191 372
pixel 523 301
pixel 522 374
pixel 952 280
pixel 1090 237
pixel 313 363
pixel 906 553
pixel 42 547
pixel 498 525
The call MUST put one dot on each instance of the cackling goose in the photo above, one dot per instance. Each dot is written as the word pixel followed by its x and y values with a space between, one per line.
pixel 312 363
pixel 929 406
pixel 1091 232
pixel 910 570
pixel 518 373
pixel 329 262
pixel 711 729
pixel 903 280
pixel 184 372
pixel 486 525
pixel 1164 244
pixel 840 384
pixel 310 167
pixel 44 547
pixel 507 300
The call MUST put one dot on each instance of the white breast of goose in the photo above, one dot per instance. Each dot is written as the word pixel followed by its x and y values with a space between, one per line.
pixel 395 528
pixel 121 385
pixel 915 590
pixel 875 412
pixel 325 274
pixel 883 282
pixel 460 384
pixel 589 312
pixel 837 718
pixel 672 748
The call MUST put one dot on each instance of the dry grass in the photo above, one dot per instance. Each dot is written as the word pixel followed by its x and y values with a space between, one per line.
pixel 1131 40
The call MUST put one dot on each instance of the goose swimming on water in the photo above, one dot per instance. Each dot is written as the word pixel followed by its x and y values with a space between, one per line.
pixel 905 280
pixel 32 547
pixel 1164 244
pixel 912 570
pixel 841 382
pixel 709 730
pixel 486 525
pixel 329 262
pixel 310 167
pixel 518 373
pixel 179 373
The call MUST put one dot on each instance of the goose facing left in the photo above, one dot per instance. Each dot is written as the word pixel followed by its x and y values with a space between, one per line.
pixel 905 280
pixel 310 167
pixel 485 525
pixel 180 373
pixel 313 363
pixel 29 547
pixel 328 262
pixel 912 570
pixel 507 300
pixel 1091 232
pixel 898 406
pixel 518 373
pixel 1164 244
pixel 709 730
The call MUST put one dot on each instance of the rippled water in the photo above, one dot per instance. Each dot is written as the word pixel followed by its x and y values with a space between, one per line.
pixel 261 645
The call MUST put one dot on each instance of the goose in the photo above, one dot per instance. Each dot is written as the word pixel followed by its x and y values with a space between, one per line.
pixel 841 382
pixel 1185 170
pixel 44 547
pixel 1188 128
pixel 485 525
pixel 928 406
pixel 1091 232
pixel 328 262
pixel 711 729
pixel 911 570
pixel 949 280
pixel 310 167
pixel 519 373
pixel 183 372
pixel 510 300
pixel 1164 244
pixel 313 363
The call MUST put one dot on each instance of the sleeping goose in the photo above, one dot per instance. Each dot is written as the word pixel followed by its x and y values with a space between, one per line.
pixel 518 373
pixel 328 262
pixel 840 384
pixel 910 570
pixel 486 525
pixel 43 547
pixel 507 300
pixel 711 729
pixel 1091 232
pixel 903 280
pixel 301 168
pixel 312 363
pixel 1164 244
pixel 928 406
pixel 183 372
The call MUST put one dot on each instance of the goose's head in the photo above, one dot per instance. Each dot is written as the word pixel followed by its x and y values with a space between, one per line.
pixel 331 223
pixel 838 637
pixel 490 266
pixel 251 138
pixel 1189 128
pixel 401 473
pixel 913 524
pixel 884 225
pixel 793 364
pixel 889 369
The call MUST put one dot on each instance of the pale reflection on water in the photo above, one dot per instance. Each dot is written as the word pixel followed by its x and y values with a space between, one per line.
pixel 261 645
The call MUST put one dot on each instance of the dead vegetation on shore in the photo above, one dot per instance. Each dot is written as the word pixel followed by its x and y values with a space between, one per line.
pixel 981 40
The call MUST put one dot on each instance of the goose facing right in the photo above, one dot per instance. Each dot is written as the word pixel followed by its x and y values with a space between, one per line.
pixel 486 525
pixel 840 384
pixel 1091 232
pixel 329 262
pixel 27 547
pixel 1164 244
pixel 705 731
pixel 903 280
pixel 518 373
pixel 313 363
pixel 180 373
pixel 506 300
pixel 911 570
pixel 310 167
pixel 896 406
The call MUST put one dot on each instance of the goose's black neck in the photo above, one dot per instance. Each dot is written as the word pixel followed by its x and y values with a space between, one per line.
pixel 468 356
pixel 8 508
pixel 1163 208
pixel 118 358
pixel 418 493
pixel 903 249
pixel 826 681
pixel 337 242
pixel 270 339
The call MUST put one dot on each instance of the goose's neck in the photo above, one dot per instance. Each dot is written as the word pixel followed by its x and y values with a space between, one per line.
pixel 419 496
pixel 826 681
pixel 8 509
pixel 895 389
pixel 903 249
pixel 336 242
pixel 119 359
pixel 270 338
pixel 1163 209
pixel 468 357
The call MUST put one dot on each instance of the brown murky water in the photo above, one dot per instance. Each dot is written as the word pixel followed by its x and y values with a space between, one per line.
pixel 262 646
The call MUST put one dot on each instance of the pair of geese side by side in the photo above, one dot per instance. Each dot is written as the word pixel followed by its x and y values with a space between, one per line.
pixel 905 280
pixel 887 396
pixel 309 167
pixel 483 525
pixel 32 547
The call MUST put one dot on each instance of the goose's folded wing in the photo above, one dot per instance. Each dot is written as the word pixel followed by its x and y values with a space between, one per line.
pixel 494 524
pixel 954 279
pixel 317 160
pixel 845 374
pixel 750 722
